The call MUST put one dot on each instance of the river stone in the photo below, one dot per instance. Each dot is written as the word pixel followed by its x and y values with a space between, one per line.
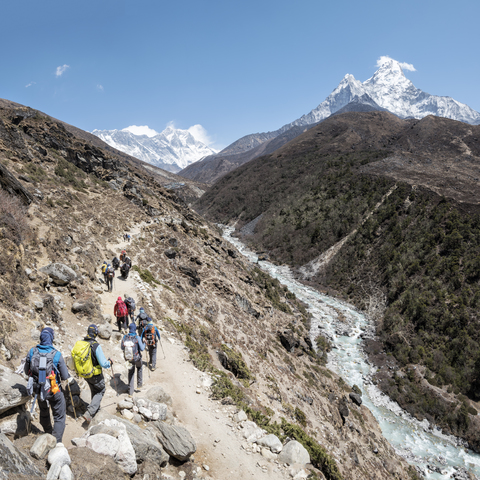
pixel 60 273
pixel 103 444
pixel 176 440
pixel 12 461
pixel 294 452
pixel 272 442
pixel 13 389
pixel 43 444
pixel 59 455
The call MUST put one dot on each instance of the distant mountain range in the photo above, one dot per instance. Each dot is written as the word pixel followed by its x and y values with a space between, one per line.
pixel 387 90
pixel 172 150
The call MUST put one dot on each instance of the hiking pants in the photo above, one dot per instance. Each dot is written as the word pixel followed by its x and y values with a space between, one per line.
pixel 152 354
pixel 59 411
pixel 109 283
pixel 122 323
pixel 131 375
pixel 97 389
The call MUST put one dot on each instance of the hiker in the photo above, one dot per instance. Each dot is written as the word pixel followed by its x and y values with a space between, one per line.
pixel 123 254
pixel 96 362
pixel 149 336
pixel 104 270
pixel 46 367
pixel 127 260
pixel 121 312
pixel 125 268
pixel 133 347
pixel 115 263
pixel 142 319
pixel 128 237
pixel 130 303
pixel 110 274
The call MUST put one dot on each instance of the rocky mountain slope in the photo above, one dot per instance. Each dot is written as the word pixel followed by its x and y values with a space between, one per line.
pixel 172 150
pixel 385 212
pixel 234 340
pixel 387 90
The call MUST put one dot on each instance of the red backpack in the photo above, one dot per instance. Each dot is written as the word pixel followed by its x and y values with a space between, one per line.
pixel 122 310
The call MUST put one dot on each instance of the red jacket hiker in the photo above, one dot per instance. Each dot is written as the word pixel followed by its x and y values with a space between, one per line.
pixel 120 310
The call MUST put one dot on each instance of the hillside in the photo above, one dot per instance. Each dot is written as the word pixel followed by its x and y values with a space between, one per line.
pixel 224 323
pixel 385 212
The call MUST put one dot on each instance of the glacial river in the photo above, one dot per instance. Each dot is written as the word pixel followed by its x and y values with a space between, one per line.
pixel 437 455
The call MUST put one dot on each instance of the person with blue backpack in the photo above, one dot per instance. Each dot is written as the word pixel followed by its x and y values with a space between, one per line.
pixel 133 347
pixel 149 335
pixel 46 368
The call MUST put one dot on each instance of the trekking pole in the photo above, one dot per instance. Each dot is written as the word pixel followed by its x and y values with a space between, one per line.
pixel 33 404
pixel 71 399
pixel 164 357
pixel 114 379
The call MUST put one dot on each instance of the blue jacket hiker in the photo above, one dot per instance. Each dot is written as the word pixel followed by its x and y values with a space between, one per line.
pixel 97 381
pixel 46 368
pixel 133 347
pixel 149 335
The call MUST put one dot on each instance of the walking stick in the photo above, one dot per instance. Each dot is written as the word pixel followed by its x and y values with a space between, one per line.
pixel 71 399
pixel 114 379
pixel 164 357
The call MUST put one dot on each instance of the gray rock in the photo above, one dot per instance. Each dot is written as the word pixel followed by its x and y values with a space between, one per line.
pixel 13 389
pixel 159 395
pixel 170 253
pixel 176 440
pixel 103 444
pixel 150 409
pixel 107 318
pixel 60 273
pixel 12 461
pixel 18 424
pixel 125 457
pixel 252 432
pixel 294 452
pixel 105 331
pixel 65 473
pixel 54 471
pixel 42 446
pixel 38 305
pixel 356 398
pixel 240 416
pixel 272 442
pixel 125 403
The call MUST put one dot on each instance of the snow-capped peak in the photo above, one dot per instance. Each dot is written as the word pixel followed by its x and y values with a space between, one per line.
pixel 173 149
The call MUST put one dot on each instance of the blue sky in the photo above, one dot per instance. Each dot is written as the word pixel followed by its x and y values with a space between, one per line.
pixel 232 67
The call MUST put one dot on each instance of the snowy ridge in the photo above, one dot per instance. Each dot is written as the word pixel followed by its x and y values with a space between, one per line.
pixel 173 149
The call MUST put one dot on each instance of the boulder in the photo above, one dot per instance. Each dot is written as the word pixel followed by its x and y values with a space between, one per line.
pixel 159 395
pixel 252 432
pixel 170 253
pixel 60 273
pixel 356 398
pixel 288 340
pixel 59 455
pixel 176 440
pixel 192 273
pixel 294 452
pixel 125 456
pixel 105 331
pixel 86 465
pixel 103 444
pixel 65 473
pixel 150 409
pixel 12 461
pixel 272 442
pixel 240 416
pixel 42 446
pixel 17 424
pixel 13 389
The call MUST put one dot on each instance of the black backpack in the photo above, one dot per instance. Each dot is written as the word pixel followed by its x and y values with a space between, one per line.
pixel 149 333
pixel 130 302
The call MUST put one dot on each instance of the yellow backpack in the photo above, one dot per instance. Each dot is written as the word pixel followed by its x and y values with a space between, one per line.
pixel 82 358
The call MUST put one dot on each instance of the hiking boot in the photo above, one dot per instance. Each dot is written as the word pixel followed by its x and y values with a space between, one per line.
pixel 86 418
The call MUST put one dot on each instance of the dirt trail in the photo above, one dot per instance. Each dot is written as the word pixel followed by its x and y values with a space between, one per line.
pixel 219 442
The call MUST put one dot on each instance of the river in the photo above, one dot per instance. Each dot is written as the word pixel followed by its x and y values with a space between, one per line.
pixel 437 455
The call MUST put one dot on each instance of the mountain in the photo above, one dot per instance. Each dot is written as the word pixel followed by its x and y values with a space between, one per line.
pixel 173 149
pixel 385 212
pixel 388 89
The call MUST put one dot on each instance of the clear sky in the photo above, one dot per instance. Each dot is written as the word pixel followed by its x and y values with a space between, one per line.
pixel 233 67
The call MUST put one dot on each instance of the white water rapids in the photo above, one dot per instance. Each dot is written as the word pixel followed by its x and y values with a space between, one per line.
pixel 438 455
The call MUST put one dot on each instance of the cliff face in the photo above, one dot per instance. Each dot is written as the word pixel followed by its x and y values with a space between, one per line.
pixel 73 203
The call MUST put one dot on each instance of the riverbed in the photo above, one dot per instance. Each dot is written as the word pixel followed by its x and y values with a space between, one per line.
pixel 437 455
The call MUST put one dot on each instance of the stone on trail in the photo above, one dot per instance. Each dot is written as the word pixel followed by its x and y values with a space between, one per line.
pixel 13 389
pixel 272 442
pixel 12 461
pixel 252 432
pixel 149 409
pixel 125 456
pixel 294 452
pixel 60 273
pixel 105 331
pixel 240 416
pixel 43 444
pixel 103 444
pixel 59 455
pixel 159 395
pixel 176 440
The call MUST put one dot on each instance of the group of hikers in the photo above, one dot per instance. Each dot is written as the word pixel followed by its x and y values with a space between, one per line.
pixel 46 367
pixel 109 270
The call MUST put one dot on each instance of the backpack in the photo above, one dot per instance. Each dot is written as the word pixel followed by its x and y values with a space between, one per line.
pixel 110 272
pixel 115 262
pixel 143 323
pixel 82 358
pixel 128 261
pixel 130 303
pixel 121 309
pixel 130 351
pixel 42 365
pixel 125 268
pixel 150 335
pixel 104 267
